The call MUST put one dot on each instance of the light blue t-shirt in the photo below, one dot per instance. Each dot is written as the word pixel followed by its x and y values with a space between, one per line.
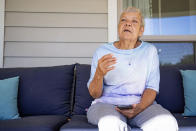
pixel 136 69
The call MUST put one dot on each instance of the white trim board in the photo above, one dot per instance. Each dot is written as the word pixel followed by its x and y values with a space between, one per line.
pixel 172 38
pixel 112 20
pixel 2 12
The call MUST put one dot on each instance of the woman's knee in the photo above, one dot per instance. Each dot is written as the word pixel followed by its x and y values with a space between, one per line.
pixel 162 122
pixel 99 111
pixel 112 123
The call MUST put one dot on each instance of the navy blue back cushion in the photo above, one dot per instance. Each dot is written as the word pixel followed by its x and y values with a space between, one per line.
pixel 43 90
pixel 82 97
pixel 171 93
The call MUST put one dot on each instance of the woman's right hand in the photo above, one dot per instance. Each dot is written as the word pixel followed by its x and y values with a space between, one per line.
pixel 105 64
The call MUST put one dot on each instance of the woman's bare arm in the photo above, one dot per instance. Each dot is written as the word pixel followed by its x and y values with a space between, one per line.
pixel 104 65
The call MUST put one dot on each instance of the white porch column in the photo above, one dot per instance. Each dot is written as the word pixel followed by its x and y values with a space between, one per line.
pixel 112 20
pixel 2 13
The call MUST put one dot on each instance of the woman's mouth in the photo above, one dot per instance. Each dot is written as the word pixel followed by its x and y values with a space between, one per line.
pixel 126 30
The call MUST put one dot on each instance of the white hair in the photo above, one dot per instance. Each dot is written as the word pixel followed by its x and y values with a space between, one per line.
pixel 134 9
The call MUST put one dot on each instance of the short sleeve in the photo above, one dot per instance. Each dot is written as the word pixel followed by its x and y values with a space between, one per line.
pixel 93 68
pixel 154 72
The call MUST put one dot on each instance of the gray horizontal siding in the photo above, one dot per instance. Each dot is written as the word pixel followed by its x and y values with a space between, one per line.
pixel 55 20
pixel 53 32
pixel 81 6
pixel 35 62
pixel 56 34
pixel 32 49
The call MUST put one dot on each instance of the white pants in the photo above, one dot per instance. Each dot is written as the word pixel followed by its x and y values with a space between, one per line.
pixel 153 118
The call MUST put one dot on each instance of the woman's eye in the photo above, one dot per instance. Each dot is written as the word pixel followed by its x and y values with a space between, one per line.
pixel 123 20
pixel 135 21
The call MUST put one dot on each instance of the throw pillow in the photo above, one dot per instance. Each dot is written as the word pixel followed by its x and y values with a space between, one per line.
pixel 43 90
pixel 8 98
pixel 189 84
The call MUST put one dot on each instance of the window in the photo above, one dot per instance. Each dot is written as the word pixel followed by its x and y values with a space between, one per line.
pixel 167 17
pixel 170 25
pixel 175 53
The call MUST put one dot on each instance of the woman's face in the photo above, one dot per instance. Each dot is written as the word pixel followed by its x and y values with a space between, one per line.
pixel 129 27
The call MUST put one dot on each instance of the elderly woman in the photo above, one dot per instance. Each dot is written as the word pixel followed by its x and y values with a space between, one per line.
pixel 124 73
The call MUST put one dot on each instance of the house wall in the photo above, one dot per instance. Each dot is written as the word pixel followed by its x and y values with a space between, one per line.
pixel 53 32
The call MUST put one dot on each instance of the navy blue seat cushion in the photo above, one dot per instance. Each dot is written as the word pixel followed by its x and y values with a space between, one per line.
pixel 185 123
pixel 80 123
pixel 82 99
pixel 43 90
pixel 34 123
pixel 171 93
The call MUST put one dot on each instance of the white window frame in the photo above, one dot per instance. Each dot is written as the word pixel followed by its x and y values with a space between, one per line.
pixel 115 5
pixel 2 14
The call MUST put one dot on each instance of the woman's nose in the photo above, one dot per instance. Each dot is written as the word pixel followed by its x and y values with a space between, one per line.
pixel 128 24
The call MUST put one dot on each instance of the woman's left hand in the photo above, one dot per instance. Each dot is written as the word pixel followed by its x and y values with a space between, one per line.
pixel 130 113
pixel 147 99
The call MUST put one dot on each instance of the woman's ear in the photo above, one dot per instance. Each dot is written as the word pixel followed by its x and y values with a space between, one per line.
pixel 141 31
